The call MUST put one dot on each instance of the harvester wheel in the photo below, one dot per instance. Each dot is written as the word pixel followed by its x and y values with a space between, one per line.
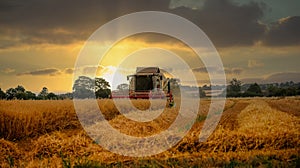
pixel 171 104
pixel 171 101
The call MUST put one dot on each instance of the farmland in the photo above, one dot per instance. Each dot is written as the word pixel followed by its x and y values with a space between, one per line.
pixel 252 132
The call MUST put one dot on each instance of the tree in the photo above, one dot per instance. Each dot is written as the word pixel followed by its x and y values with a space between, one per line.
pixel 2 94
pixel 276 91
pixel 272 91
pixel 43 94
pixel 235 85
pixel 175 86
pixel 20 93
pixel 201 92
pixel 83 88
pixel 291 91
pixel 30 95
pixel 123 87
pixel 101 83
pixel 298 90
pixel 65 96
pixel 20 88
pixel 102 88
pixel 234 89
pixel 52 96
pixel 253 90
pixel 11 93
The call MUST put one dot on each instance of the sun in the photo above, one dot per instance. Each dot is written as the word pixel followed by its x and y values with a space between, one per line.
pixel 113 75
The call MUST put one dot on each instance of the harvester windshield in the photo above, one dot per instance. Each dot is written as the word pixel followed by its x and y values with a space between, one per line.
pixel 144 83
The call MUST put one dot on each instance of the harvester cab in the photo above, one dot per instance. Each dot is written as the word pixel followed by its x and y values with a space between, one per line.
pixel 150 83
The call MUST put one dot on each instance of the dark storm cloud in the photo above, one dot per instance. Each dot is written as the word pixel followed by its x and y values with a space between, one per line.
pixel 68 21
pixel 284 32
pixel 47 71
pixel 73 14
pixel 62 22
pixel 69 71
pixel 7 5
pixel 206 69
pixel 227 24
pixel 213 69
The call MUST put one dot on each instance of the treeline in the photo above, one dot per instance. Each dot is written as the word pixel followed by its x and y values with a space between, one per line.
pixel 20 93
pixel 236 89
pixel 83 88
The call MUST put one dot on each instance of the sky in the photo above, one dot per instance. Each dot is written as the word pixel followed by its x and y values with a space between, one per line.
pixel 40 40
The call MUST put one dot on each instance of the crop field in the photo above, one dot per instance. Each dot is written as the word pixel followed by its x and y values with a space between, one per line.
pixel 257 132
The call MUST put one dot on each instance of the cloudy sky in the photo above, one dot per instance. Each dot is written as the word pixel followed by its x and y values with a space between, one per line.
pixel 257 40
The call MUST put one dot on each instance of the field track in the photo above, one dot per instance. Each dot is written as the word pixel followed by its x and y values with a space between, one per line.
pixel 229 116
pixel 291 106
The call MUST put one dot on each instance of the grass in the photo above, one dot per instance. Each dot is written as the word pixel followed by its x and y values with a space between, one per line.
pixel 251 133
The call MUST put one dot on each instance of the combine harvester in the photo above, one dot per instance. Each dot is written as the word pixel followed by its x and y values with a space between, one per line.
pixel 147 83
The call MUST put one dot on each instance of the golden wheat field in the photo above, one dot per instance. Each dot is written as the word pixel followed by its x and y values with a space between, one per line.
pixel 259 132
